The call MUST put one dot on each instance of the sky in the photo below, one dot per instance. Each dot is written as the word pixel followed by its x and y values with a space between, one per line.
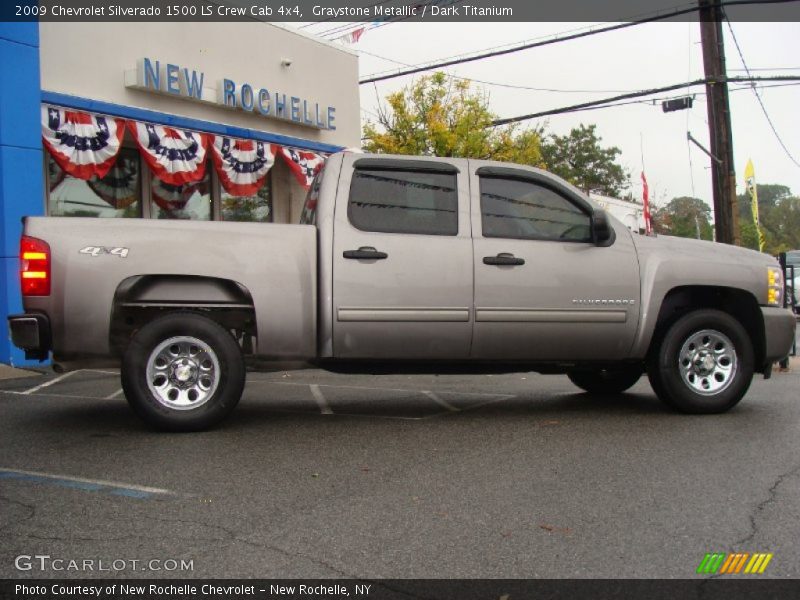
pixel 599 66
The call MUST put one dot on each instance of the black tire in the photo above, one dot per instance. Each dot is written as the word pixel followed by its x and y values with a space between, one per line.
pixel 680 375
pixel 215 373
pixel 606 381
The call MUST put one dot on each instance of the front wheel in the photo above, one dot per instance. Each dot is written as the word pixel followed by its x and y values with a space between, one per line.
pixel 703 364
pixel 183 372
pixel 606 381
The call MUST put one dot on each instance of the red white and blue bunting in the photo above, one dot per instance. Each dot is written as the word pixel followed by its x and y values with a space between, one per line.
pixel 172 198
pixel 83 144
pixel 242 165
pixel 174 155
pixel 303 164
pixel 120 187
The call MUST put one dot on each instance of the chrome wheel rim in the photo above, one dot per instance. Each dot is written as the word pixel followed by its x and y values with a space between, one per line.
pixel 183 372
pixel 708 362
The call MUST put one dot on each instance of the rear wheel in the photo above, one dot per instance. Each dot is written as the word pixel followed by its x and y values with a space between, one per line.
pixel 606 381
pixel 183 372
pixel 703 364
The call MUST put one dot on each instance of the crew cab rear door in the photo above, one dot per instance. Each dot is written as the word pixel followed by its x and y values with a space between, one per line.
pixel 402 259
pixel 543 289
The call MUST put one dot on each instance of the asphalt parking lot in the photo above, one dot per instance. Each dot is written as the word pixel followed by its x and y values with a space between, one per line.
pixel 398 476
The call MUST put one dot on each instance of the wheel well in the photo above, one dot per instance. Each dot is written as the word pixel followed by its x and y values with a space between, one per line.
pixel 741 305
pixel 138 300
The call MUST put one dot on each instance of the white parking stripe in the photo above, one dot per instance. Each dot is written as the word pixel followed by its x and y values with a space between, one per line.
pixel 439 401
pixel 114 484
pixel 378 389
pixel 35 389
pixel 320 398
pixel 114 395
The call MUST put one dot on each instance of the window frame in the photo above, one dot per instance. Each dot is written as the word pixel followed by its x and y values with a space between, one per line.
pixel 542 181
pixel 405 166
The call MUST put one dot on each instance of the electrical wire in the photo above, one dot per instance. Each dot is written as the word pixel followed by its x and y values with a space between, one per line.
pixel 639 94
pixel 653 17
pixel 758 97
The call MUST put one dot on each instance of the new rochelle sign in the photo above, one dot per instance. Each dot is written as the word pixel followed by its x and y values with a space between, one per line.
pixel 171 79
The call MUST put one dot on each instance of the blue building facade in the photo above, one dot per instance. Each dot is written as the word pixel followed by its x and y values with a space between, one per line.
pixel 21 178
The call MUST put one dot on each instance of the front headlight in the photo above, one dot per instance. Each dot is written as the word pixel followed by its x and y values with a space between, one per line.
pixel 774 286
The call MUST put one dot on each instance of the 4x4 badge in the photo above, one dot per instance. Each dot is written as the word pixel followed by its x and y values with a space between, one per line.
pixel 98 250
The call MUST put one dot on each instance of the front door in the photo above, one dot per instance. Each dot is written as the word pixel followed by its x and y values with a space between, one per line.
pixel 402 259
pixel 543 289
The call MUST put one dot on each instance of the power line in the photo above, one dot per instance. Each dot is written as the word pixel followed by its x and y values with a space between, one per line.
pixel 758 97
pixel 554 40
pixel 505 85
pixel 639 94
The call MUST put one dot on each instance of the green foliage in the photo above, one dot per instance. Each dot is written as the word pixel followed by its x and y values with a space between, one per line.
pixel 779 214
pixel 684 217
pixel 441 116
pixel 580 159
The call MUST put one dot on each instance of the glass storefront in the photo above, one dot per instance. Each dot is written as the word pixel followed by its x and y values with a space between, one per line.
pixel 130 190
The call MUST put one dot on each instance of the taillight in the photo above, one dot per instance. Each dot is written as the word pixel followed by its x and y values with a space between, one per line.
pixel 34 256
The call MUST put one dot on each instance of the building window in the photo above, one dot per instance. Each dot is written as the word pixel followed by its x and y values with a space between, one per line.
pixel 115 195
pixel 513 208
pixel 187 201
pixel 255 208
pixel 404 202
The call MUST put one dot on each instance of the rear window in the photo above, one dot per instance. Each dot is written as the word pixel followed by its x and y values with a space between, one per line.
pixel 399 201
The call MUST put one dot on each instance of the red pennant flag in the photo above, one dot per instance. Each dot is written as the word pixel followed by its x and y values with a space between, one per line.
pixel 646 202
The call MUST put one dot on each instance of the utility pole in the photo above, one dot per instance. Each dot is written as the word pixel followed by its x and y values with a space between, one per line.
pixel 726 213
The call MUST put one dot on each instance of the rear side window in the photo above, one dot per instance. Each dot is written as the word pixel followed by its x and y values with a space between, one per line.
pixel 514 208
pixel 391 201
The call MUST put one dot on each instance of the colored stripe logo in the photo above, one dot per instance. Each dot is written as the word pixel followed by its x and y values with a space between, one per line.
pixel 734 563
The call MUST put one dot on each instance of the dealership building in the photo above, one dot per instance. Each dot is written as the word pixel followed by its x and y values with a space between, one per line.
pixel 211 121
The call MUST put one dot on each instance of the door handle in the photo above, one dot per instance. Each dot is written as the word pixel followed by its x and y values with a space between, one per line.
pixel 365 252
pixel 504 258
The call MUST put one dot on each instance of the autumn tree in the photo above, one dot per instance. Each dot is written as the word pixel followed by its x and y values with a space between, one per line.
pixel 580 158
pixel 684 217
pixel 441 116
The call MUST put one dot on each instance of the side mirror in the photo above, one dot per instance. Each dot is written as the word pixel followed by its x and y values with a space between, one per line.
pixel 602 231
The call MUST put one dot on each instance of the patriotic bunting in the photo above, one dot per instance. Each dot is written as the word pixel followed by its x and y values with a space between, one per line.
pixel 242 165
pixel 304 165
pixel 120 187
pixel 83 144
pixel 175 197
pixel 175 156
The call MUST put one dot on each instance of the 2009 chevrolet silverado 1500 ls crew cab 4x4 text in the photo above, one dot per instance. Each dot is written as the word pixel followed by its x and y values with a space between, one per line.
pixel 402 259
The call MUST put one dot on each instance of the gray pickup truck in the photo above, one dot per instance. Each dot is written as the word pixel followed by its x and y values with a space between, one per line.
pixel 402 261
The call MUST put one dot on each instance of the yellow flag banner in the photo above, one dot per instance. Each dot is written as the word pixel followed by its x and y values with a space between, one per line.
pixel 750 184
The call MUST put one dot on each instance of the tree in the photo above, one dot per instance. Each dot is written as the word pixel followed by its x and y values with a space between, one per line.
pixel 441 116
pixel 684 217
pixel 779 216
pixel 580 159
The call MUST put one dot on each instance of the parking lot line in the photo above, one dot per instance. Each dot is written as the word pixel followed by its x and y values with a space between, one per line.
pixel 90 485
pixel 35 389
pixel 379 389
pixel 114 395
pixel 439 401
pixel 324 408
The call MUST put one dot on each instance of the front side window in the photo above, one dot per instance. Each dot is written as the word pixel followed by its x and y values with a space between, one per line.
pixel 519 209
pixel 392 201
